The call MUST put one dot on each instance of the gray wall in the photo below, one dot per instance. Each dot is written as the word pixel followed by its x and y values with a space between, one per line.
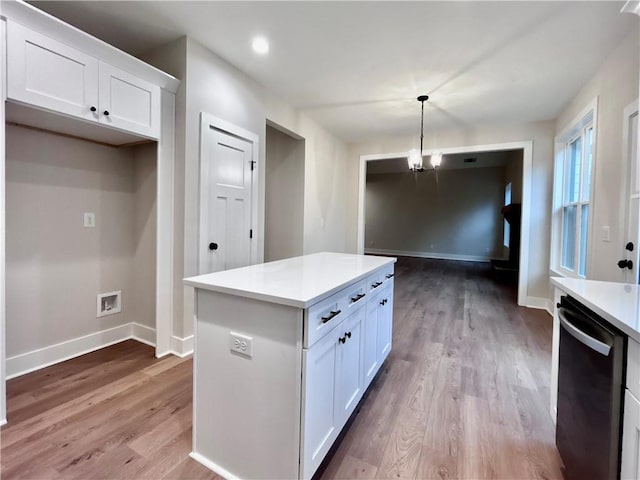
pixel 55 266
pixel 284 196
pixel 615 84
pixel 513 175
pixel 457 215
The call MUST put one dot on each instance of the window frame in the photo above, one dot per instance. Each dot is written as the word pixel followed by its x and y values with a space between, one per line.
pixel 577 128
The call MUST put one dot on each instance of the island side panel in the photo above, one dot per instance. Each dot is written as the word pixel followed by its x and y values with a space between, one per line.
pixel 246 419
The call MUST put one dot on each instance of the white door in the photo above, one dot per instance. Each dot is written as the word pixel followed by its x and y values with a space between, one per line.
pixel 370 343
pixel 226 236
pixel 630 257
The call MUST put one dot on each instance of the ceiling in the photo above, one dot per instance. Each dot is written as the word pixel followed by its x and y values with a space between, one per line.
pixel 357 67
pixel 452 161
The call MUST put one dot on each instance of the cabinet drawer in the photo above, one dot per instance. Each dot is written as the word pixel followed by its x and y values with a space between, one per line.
pixel 378 278
pixel 322 317
pixel 633 367
pixel 354 296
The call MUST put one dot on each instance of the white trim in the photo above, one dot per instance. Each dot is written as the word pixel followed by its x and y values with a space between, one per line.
pixel 214 467
pixel 3 422
pixel 3 330
pixel 527 161
pixel 627 181
pixel 576 124
pixel 43 357
pixel 632 6
pixel 208 121
pixel 165 200
pixel 143 334
pixel 436 255
pixel 182 347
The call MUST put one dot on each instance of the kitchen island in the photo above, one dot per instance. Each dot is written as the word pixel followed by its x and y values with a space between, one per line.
pixel 284 352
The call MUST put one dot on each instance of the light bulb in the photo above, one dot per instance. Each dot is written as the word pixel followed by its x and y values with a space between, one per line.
pixel 414 159
pixel 436 160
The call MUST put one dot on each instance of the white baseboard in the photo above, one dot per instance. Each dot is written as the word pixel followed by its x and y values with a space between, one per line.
pixel 540 303
pixel 214 467
pixel 44 357
pixel 440 256
pixel 3 422
pixel 143 334
pixel 182 347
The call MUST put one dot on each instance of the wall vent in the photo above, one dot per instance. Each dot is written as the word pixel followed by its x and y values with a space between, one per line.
pixel 109 303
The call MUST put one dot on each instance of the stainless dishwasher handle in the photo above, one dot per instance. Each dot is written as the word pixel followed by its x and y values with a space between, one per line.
pixel 592 343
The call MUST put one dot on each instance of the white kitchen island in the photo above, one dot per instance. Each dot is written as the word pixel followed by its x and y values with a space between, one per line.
pixel 284 351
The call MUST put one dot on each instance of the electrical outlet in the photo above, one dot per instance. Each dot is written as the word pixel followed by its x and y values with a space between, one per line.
pixel 89 219
pixel 241 344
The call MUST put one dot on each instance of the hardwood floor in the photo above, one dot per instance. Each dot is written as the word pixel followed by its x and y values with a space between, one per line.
pixel 464 394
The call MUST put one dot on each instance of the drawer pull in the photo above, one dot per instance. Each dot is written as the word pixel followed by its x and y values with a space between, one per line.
pixel 331 315
pixel 376 285
pixel 357 297
pixel 383 301
pixel 389 275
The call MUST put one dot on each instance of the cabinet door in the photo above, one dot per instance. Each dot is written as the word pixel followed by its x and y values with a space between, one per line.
pixel 48 74
pixel 349 365
pixel 128 102
pixel 630 464
pixel 385 321
pixel 370 341
pixel 320 418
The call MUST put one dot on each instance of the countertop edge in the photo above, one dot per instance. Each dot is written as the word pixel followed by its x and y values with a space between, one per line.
pixel 285 300
pixel 557 282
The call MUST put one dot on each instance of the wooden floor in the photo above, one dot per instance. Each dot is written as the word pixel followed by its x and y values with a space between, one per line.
pixel 464 394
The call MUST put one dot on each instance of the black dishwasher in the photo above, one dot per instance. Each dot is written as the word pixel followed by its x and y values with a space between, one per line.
pixel 590 393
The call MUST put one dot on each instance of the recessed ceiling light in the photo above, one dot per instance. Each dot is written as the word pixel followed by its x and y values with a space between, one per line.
pixel 260 45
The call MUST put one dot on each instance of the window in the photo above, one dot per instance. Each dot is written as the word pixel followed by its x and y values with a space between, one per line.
pixel 572 192
pixel 507 201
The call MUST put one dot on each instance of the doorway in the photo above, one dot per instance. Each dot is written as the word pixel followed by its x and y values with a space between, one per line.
pixel 284 194
pixel 525 149
pixel 629 259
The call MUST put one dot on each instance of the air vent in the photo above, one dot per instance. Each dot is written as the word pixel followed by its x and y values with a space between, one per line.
pixel 470 160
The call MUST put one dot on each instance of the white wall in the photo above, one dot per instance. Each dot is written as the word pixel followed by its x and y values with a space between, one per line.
pixel 541 133
pixel 211 85
pixel 284 196
pixel 458 215
pixel 55 266
pixel 615 84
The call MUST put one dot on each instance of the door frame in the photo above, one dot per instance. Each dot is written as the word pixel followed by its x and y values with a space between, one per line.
pixel 208 121
pixel 628 112
pixel 527 160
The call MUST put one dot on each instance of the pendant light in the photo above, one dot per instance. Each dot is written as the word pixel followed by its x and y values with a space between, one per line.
pixel 414 158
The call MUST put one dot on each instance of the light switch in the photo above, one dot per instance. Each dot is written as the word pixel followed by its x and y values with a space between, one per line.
pixel 606 233
pixel 89 219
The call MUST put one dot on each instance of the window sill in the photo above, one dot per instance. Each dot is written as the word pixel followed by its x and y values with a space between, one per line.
pixel 556 272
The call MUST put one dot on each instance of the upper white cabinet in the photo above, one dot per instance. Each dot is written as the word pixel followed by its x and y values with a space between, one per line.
pixel 45 73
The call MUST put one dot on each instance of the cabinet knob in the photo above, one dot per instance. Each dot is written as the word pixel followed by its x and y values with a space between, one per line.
pixel 213 246
pixel 626 264
pixel 342 340
pixel 347 334
pixel 106 113
pixel 93 109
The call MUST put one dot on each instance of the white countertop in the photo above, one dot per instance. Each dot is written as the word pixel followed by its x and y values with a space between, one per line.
pixel 297 282
pixel 618 303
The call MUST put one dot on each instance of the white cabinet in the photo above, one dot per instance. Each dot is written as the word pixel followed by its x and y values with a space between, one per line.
pixel 48 74
pixel 630 461
pixel 370 341
pixel 332 371
pixel 385 319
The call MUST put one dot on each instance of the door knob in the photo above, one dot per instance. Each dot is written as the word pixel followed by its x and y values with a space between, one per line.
pixel 629 246
pixel 214 246
pixel 625 264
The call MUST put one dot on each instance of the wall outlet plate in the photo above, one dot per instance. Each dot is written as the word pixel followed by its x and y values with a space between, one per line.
pixel 241 344
pixel 89 220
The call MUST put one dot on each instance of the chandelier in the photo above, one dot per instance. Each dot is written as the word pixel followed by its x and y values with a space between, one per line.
pixel 414 158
